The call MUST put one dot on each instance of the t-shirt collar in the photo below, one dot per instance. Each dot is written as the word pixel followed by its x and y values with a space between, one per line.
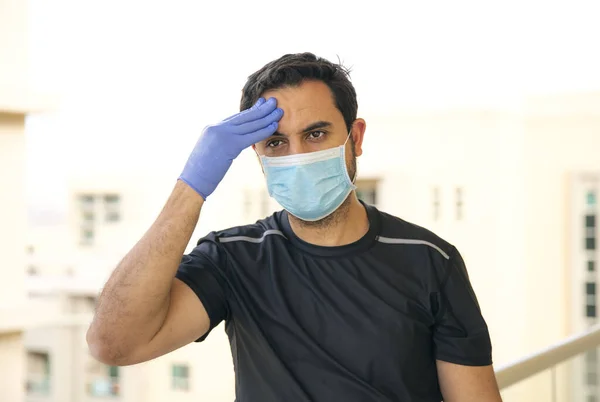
pixel 358 246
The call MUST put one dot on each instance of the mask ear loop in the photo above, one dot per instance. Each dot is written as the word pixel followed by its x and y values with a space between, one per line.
pixel 353 180
pixel 348 137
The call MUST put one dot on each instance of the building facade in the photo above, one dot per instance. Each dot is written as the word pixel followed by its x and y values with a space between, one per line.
pixel 12 249
pixel 14 107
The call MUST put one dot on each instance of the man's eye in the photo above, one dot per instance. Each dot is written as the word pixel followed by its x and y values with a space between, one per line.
pixel 316 134
pixel 274 143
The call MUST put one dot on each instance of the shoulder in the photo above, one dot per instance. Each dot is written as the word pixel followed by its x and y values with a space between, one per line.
pixel 395 230
pixel 431 255
pixel 254 233
pixel 243 241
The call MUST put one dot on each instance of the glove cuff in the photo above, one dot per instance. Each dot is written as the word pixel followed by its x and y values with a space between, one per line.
pixel 202 194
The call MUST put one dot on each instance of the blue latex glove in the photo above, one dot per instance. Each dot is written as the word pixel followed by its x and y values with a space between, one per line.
pixel 221 143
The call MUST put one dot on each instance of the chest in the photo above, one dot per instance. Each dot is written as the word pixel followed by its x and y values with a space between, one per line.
pixel 377 308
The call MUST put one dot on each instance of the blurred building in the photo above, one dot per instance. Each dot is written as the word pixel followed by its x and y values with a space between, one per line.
pixel 12 250
pixel 15 105
pixel 107 215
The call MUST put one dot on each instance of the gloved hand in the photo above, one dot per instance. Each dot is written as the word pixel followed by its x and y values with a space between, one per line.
pixel 221 143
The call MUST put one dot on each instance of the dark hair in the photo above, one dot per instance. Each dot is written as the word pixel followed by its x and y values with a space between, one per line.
pixel 292 70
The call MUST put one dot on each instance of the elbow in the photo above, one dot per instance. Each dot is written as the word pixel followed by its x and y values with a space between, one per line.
pixel 106 349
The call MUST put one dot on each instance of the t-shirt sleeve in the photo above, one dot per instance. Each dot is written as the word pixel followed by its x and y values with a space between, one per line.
pixel 203 270
pixel 460 333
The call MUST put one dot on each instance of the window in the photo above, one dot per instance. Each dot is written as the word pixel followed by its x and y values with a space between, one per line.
pixel 590 289
pixel 591 266
pixel 591 198
pixel 590 243
pixel 32 270
pixel 459 203
pixel 87 235
pixel 113 372
pixel 592 378
pixel 86 210
pixel 181 377
pixel 436 203
pixel 112 207
pixel 591 367
pixel 591 357
pixel 590 221
pixel 38 373
pixel 86 202
pixel 366 191
pixel 104 380
pixel 590 299
pixel 590 232
pixel 90 302
pixel 88 216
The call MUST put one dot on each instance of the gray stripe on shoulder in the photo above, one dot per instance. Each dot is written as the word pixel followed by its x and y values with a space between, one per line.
pixel 390 240
pixel 251 239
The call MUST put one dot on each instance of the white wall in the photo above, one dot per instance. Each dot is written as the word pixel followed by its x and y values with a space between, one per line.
pixel 52 252
pixel 13 32
pixel 12 250
pixel 13 75
pixel 12 209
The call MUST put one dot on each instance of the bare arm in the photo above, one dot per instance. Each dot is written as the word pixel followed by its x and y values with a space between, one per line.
pixel 467 383
pixel 143 312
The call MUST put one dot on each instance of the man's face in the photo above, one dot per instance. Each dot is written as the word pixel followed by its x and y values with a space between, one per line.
pixel 311 122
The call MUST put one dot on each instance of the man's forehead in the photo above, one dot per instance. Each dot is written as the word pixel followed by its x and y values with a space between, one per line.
pixel 308 96
pixel 303 105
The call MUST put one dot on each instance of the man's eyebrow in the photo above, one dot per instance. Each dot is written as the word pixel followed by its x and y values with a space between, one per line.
pixel 311 127
pixel 316 126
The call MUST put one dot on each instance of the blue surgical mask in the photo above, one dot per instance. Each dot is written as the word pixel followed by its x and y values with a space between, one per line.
pixel 309 186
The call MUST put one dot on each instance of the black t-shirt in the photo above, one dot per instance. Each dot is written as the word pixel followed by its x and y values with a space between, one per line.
pixel 360 322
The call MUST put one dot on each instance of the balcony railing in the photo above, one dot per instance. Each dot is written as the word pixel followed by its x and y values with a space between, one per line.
pixel 560 367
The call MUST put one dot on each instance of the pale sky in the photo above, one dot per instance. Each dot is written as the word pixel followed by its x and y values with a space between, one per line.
pixel 138 80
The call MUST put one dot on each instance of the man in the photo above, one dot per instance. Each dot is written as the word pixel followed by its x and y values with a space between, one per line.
pixel 328 300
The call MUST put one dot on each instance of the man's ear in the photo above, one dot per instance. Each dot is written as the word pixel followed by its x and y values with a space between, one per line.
pixel 358 134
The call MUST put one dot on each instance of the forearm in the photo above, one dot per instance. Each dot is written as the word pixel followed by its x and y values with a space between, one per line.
pixel 135 299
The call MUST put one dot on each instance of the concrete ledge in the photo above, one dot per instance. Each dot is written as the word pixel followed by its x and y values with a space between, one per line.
pixel 22 101
pixel 12 321
pixel 19 320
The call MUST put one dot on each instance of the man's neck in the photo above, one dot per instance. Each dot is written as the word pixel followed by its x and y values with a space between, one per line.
pixel 346 225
